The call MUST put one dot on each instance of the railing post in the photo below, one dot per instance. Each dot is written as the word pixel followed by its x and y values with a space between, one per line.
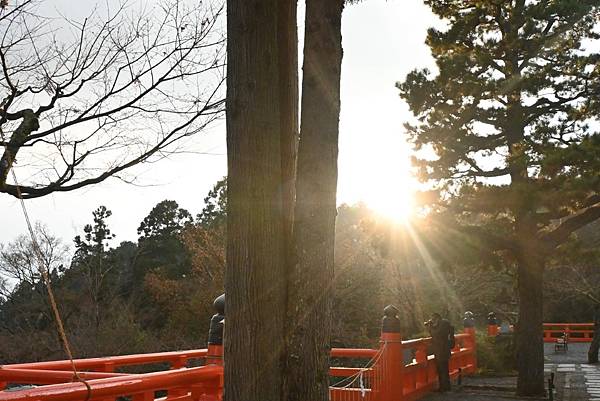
pixel 471 344
pixel 392 360
pixel 471 341
pixel 215 333
pixel 214 391
pixel 422 368
pixel 492 322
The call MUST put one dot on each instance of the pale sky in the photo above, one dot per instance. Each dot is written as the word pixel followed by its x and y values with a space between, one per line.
pixel 382 40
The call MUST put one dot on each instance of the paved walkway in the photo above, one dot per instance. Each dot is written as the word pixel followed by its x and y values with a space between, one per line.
pixel 574 379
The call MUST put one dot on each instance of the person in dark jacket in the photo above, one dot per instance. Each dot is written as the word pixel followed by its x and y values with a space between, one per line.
pixel 442 335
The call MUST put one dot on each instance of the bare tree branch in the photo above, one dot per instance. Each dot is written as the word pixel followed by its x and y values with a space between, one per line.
pixel 125 90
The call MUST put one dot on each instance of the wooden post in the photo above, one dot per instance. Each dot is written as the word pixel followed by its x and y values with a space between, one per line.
pixel 492 330
pixel 422 368
pixel 392 361
pixel 471 343
pixel 215 355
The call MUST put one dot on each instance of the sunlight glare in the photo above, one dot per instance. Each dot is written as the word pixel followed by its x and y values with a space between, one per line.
pixel 395 204
pixel 384 181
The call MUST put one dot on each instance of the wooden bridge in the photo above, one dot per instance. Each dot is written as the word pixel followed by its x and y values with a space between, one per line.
pixel 398 370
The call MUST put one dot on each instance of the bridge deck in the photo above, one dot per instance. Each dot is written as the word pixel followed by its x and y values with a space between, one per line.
pixel 575 380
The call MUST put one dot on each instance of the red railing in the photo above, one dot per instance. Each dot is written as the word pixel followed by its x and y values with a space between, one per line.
pixel 175 360
pixel 576 332
pixel 398 370
pixel 201 384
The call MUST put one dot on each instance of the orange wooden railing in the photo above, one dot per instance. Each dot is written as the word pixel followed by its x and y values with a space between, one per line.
pixel 576 332
pixel 201 384
pixel 386 378
pixel 396 371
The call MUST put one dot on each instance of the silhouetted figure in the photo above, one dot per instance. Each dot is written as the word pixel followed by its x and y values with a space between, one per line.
pixel 442 338
pixel 595 345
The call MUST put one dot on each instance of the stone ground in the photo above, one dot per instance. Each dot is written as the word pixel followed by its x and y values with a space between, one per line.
pixel 574 380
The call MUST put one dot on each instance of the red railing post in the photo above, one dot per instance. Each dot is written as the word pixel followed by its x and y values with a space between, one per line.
pixel 471 344
pixel 492 328
pixel 215 349
pixel 392 359
pixel 215 354
pixel 421 359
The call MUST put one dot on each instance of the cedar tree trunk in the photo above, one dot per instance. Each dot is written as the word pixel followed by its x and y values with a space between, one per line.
pixel 260 143
pixel 311 275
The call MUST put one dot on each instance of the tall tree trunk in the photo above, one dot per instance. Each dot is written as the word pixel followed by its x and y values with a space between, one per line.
pixel 288 92
pixel 311 275
pixel 530 331
pixel 530 346
pixel 260 120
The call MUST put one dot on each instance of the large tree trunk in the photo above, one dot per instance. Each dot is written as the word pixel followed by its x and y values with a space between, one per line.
pixel 530 261
pixel 260 120
pixel 311 275
pixel 288 92
pixel 530 331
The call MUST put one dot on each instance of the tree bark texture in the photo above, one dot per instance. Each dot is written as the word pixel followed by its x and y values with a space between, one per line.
pixel 288 93
pixel 529 255
pixel 259 149
pixel 530 331
pixel 311 274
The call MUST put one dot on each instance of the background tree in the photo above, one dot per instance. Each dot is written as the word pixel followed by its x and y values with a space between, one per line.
pixel 25 311
pixel 82 101
pixel 93 260
pixel 215 206
pixel 19 264
pixel 509 118
pixel 160 244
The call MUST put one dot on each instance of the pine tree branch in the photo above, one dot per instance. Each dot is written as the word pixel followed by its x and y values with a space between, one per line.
pixel 561 233
pixel 490 242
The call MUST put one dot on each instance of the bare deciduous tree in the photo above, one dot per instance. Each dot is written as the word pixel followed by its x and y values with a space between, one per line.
pixel 82 101
pixel 18 261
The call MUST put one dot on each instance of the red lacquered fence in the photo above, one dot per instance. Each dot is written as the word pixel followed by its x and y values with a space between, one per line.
pixel 396 371
pixel 575 332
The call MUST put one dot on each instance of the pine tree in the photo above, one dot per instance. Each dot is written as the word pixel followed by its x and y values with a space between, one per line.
pixel 510 115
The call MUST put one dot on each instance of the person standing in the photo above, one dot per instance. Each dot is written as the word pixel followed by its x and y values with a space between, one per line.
pixel 442 341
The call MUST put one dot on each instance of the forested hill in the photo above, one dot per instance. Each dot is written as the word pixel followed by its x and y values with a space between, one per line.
pixel 156 294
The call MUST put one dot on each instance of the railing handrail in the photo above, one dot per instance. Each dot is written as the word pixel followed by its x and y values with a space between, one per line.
pixel 39 376
pixel 353 352
pixel 115 361
pixel 117 386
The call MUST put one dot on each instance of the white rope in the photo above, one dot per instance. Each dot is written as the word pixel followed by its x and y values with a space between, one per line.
pixel 358 375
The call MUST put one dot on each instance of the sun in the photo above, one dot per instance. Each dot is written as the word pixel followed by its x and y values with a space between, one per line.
pixel 395 204
pixel 378 173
